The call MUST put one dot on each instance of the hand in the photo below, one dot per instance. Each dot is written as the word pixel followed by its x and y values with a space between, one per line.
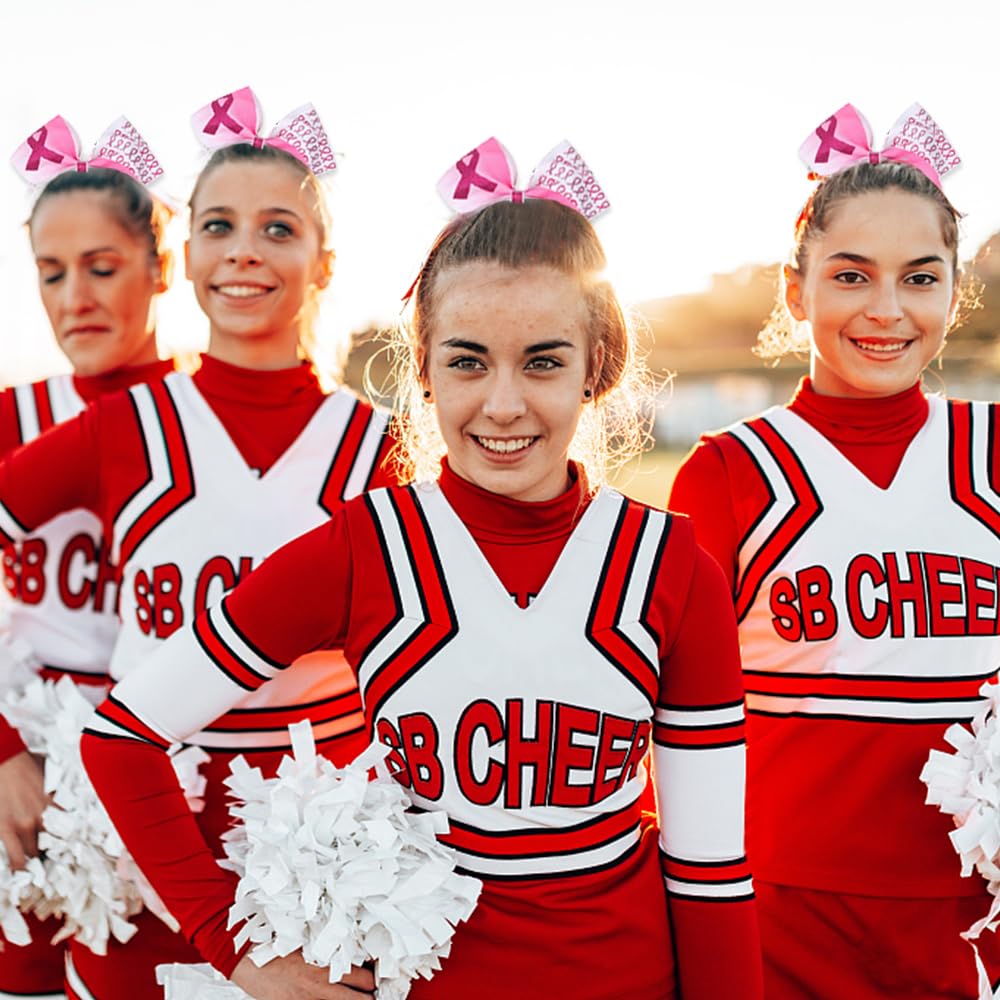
pixel 22 802
pixel 290 978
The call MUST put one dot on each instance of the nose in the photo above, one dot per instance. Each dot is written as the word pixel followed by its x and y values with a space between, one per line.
pixel 884 306
pixel 504 401
pixel 242 248
pixel 78 293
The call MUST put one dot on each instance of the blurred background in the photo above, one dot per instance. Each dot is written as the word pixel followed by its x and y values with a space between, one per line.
pixel 690 117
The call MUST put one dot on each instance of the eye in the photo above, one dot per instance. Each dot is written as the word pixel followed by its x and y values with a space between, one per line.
pixel 51 277
pixel 850 277
pixel 215 227
pixel 545 363
pixel 466 363
pixel 103 269
pixel 279 230
pixel 922 278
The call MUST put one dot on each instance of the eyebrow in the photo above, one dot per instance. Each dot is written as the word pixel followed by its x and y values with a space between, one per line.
pixel 471 345
pixel 857 258
pixel 226 210
pixel 96 252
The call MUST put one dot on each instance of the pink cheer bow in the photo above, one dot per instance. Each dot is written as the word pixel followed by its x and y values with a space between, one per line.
pixel 845 138
pixel 487 174
pixel 236 117
pixel 55 148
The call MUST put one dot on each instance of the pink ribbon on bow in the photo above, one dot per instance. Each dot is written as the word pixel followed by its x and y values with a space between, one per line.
pixel 236 117
pixel 487 174
pixel 54 148
pixel 845 138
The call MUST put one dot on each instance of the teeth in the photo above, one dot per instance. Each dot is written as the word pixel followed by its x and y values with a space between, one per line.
pixel 504 445
pixel 242 291
pixel 881 346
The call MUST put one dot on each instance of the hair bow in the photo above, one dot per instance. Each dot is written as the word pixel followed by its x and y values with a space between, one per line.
pixel 487 174
pixel 236 117
pixel 845 138
pixel 55 147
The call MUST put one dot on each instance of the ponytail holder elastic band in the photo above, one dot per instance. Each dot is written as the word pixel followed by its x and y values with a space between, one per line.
pixel 845 139
pixel 235 118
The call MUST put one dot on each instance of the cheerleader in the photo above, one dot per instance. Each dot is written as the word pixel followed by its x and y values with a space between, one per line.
pixel 197 478
pixel 860 536
pixel 521 637
pixel 97 238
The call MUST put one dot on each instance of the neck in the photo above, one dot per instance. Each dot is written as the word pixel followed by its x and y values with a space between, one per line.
pixel 267 352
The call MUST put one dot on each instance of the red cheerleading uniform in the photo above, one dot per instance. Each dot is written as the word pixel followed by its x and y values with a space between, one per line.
pixel 63 593
pixel 186 476
pixel 861 540
pixel 519 660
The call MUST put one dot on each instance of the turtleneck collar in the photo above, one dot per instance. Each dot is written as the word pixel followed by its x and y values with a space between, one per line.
pixel 493 517
pixel 260 389
pixel 91 386
pixel 860 421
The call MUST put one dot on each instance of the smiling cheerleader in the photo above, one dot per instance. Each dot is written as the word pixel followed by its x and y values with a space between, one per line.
pixel 862 549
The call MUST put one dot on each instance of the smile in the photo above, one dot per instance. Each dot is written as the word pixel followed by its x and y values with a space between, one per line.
pixel 505 446
pixel 881 346
pixel 242 291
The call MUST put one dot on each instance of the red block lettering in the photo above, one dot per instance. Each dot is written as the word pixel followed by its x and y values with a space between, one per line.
pixel 612 751
pixel 902 592
pixel 942 592
pixel 786 621
pixel 867 627
pixel 819 616
pixel 523 752
pixel 572 721
pixel 419 738
pixel 486 716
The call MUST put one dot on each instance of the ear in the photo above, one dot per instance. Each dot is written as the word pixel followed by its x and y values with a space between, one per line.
pixel 325 268
pixel 596 368
pixel 163 271
pixel 187 259
pixel 793 292
pixel 956 299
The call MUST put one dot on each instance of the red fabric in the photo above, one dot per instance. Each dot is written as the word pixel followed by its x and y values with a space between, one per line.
pixel 38 966
pixel 871 948
pixel 613 934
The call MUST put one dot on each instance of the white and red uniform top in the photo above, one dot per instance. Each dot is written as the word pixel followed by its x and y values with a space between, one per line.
pixel 865 570
pixel 60 577
pixel 195 479
pixel 518 659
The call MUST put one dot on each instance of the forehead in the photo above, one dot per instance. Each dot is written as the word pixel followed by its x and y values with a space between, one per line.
pixel 890 225
pixel 253 186
pixel 74 221
pixel 508 307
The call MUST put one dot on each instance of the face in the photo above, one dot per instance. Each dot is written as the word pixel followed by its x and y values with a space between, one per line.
pixel 878 293
pixel 507 364
pixel 97 282
pixel 255 259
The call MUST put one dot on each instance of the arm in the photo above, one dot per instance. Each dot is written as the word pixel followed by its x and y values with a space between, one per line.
pixel 296 601
pixel 699 763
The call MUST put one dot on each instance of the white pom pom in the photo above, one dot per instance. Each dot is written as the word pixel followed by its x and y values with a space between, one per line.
pixel 966 786
pixel 83 876
pixel 196 982
pixel 333 865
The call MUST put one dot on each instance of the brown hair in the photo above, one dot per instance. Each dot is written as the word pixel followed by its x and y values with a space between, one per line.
pixel 135 209
pixel 780 336
pixel 535 232
pixel 245 152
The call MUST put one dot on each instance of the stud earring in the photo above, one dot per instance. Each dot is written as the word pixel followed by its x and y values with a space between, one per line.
pixel 587 394
pixel 427 394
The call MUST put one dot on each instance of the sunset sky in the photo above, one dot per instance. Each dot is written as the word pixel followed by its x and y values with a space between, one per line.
pixel 690 118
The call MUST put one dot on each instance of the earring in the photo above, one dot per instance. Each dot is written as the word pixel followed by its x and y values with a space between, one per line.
pixel 587 394
pixel 427 394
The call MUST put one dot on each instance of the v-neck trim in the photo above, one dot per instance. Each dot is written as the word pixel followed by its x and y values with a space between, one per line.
pixel 434 494
pixel 836 456
pixel 228 445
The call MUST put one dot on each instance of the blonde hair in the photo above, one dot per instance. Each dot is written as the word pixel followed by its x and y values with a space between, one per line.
pixel 617 423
